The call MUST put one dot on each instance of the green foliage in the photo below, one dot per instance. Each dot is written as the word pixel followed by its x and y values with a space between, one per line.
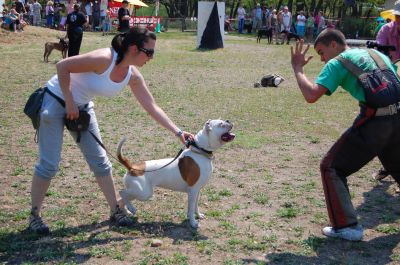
pixel 351 25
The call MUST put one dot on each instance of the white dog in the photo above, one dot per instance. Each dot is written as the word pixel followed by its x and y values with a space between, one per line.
pixel 188 173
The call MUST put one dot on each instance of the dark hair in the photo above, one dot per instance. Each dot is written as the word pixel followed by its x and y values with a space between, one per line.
pixel 134 36
pixel 329 35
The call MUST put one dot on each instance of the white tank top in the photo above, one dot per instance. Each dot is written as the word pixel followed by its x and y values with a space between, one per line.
pixel 85 86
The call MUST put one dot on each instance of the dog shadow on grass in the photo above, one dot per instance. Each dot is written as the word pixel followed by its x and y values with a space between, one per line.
pixel 178 232
pixel 66 244
pixel 380 211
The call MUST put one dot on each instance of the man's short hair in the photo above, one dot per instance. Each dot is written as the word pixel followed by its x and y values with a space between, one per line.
pixel 328 35
pixel 125 2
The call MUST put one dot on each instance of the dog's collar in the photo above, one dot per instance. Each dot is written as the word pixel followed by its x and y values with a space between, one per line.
pixel 200 150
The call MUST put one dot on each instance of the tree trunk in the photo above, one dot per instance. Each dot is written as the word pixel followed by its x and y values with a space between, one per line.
pixel 312 8
pixel 290 5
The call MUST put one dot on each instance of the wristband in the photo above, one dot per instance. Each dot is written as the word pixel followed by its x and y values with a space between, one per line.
pixel 179 133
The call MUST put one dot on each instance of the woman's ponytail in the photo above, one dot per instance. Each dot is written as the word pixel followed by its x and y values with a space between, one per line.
pixel 134 36
pixel 117 45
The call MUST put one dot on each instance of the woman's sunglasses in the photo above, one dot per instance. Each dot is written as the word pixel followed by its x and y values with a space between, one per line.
pixel 148 52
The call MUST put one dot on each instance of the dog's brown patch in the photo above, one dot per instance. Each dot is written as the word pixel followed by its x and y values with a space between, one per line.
pixel 189 169
pixel 137 169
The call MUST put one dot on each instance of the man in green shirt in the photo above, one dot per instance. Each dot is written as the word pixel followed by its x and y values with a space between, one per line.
pixel 366 138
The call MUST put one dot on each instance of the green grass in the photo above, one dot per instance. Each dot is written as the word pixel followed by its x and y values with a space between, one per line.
pixel 264 202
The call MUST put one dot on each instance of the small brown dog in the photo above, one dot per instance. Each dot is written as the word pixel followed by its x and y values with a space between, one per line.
pixel 62 46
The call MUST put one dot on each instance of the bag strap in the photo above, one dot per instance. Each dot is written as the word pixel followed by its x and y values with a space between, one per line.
pixel 378 60
pixel 350 66
pixel 60 100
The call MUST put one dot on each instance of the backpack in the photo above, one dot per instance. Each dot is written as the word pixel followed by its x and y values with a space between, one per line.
pixel 381 86
pixel 271 80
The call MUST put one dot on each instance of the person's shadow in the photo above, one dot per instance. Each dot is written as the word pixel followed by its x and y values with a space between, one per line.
pixel 65 243
pixel 379 210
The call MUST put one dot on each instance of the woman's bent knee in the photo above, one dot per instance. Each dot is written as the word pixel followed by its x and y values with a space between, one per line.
pixel 45 173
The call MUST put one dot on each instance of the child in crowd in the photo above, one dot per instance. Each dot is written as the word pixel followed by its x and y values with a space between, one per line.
pixel 107 22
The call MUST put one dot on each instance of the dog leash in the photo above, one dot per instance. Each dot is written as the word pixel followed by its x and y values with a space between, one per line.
pixel 187 144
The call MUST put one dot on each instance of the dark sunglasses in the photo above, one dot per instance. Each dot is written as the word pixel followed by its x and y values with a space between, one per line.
pixel 148 52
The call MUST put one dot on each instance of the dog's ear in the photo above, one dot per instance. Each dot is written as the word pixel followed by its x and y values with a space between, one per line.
pixel 207 125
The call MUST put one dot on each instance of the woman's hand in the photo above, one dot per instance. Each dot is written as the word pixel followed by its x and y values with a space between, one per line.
pixel 184 136
pixel 72 111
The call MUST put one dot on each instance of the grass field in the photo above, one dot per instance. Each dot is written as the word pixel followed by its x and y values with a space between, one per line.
pixel 264 203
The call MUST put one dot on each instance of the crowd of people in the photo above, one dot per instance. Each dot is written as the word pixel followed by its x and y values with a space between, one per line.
pixel 281 22
pixel 54 15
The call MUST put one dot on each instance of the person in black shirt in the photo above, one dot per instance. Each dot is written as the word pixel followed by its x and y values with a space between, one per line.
pixel 75 22
pixel 19 7
pixel 123 17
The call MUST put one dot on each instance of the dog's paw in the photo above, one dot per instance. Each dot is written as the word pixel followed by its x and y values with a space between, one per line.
pixel 200 216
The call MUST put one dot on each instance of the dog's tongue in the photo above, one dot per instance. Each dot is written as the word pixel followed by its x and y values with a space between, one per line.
pixel 227 137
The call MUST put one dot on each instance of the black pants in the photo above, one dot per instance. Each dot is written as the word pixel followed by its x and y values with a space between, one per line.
pixel 75 40
pixel 379 136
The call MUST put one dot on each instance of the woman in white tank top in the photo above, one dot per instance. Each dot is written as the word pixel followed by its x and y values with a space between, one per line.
pixel 103 72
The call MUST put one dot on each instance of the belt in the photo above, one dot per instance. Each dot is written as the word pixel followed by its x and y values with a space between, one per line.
pixel 388 110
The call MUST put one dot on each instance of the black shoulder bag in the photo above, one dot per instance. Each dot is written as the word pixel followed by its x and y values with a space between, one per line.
pixel 33 106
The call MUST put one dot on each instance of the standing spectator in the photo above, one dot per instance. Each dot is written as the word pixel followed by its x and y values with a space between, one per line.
pixel 321 23
pixel 123 17
pixel 103 13
pixel 280 25
pixel 75 22
pixel 106 25
pixel 49 14
pixel 301 24
pixel 96 15
pixel 30 12
pixel 28 8
pixel 19 7
pixel 36 11
pixel 241 18
pixel 63 16
pixel 287 23
pixel 257 19
pixel 380 22
pixel 274 25
pixel 57 17
pixel 88 12
pixel 310 28
pixel 389 34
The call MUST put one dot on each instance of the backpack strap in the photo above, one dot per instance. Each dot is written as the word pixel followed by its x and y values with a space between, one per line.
pixel 378 60
pixel 350 66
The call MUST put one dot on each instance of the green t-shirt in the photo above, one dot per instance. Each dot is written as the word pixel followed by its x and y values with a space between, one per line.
pixel 334 74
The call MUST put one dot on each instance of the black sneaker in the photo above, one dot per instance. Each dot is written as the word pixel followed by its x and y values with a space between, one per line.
pixel 37 225
pixel 120 217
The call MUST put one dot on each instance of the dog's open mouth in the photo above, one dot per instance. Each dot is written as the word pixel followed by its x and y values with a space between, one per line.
pixel 227 137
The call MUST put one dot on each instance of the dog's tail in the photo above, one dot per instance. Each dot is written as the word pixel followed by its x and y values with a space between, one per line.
pixel 124 161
